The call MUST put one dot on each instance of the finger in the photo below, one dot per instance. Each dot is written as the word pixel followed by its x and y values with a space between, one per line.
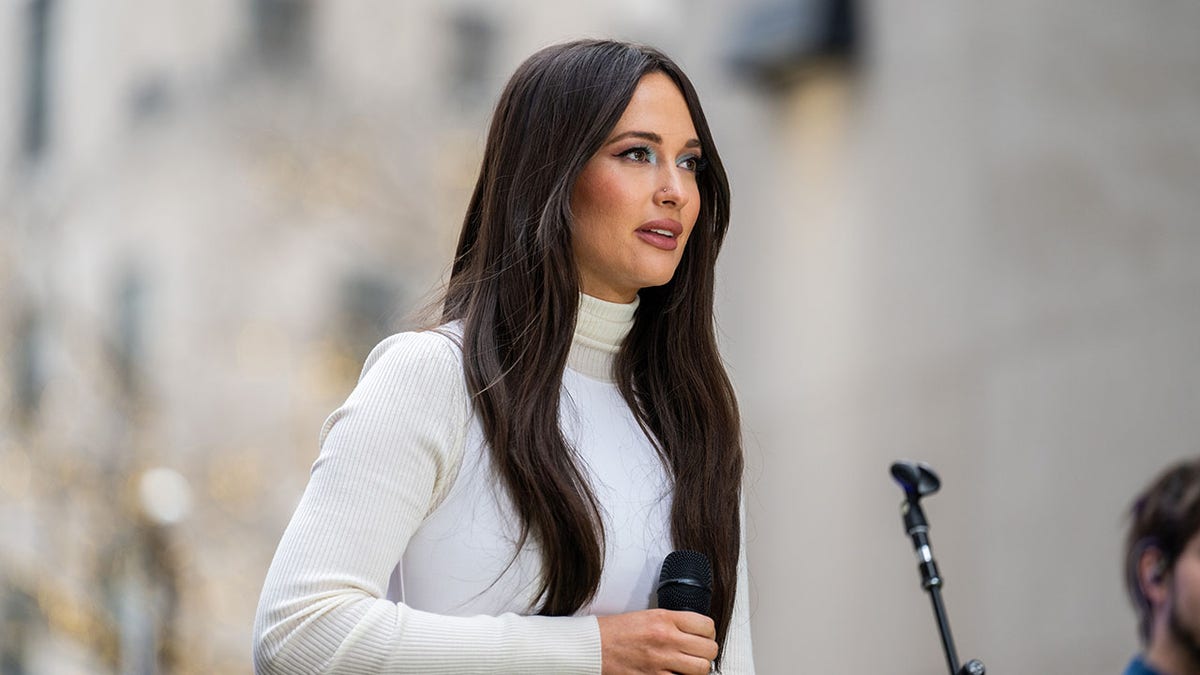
pixel 700 647
pixel 695 624
pixel 683 664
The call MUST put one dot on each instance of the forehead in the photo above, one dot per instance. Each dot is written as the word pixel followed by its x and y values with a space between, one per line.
pixel 658 106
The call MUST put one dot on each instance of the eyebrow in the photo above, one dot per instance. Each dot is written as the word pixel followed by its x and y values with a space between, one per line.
pixel 649 136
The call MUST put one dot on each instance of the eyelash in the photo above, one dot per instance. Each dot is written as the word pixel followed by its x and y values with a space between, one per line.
pixel 700 162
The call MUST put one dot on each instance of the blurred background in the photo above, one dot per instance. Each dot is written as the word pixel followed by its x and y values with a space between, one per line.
pixel 964 233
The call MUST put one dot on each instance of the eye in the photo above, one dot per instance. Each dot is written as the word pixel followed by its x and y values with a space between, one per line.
pixel 638 154
pixel 693 163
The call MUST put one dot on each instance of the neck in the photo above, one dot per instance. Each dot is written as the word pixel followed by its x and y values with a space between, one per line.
pixel 600 328
pixel 1172 650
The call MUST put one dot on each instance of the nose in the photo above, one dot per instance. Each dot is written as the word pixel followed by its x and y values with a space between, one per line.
pixel 671 191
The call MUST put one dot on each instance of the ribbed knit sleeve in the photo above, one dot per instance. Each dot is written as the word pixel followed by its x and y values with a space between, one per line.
pixel 387 457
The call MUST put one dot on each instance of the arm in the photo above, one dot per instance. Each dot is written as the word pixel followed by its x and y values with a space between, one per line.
pixel 388 456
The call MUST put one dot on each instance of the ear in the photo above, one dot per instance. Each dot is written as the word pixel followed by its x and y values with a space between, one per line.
pixel 1152 575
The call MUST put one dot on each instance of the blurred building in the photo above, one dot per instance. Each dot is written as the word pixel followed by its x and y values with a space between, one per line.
pixel 211 212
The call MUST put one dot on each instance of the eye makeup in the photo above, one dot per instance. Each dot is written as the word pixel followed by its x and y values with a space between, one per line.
pixel 647 155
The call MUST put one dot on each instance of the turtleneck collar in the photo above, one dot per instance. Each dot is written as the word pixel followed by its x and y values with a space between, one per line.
pixel 600 327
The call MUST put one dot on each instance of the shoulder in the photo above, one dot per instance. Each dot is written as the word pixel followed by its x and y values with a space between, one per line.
pixel 410 381
pixel 429 354
pixel 1138 667
pixel 412 371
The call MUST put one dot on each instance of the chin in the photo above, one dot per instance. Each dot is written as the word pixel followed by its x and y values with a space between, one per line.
pixel 659 277
pixel 654 277
pixel 658 281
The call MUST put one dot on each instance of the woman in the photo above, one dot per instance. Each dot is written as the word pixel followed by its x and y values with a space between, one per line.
pixel 497 494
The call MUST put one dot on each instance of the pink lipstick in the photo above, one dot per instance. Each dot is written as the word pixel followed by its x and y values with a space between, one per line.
pixel 663 233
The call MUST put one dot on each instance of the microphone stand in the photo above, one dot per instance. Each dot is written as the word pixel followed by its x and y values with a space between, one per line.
pixel 919 480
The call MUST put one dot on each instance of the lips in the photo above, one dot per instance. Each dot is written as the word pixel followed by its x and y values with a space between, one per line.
pixel 663 233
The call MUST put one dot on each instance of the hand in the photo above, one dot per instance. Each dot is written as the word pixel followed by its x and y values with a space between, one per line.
pixel 657 641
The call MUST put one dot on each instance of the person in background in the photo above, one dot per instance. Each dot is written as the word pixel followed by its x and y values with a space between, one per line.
pixel 499 491
pixel 1162 567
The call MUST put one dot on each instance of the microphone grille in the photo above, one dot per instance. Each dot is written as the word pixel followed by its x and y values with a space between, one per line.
pixel 685 582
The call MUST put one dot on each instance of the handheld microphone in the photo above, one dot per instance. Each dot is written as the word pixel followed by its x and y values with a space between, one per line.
pixel 685 583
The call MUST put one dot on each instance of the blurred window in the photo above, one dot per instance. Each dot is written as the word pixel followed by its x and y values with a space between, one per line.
pixel 282 33
pixel 472 49
pixel 368 303
pixel 28 371
pixel 128 342
pixel 34 118
pixel 777 39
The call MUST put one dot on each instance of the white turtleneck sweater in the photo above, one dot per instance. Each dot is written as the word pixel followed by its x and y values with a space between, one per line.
pixel 397 557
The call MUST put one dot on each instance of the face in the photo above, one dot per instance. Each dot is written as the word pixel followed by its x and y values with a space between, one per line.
pixel 1175 597
pixel 636 201
pixel 1184 600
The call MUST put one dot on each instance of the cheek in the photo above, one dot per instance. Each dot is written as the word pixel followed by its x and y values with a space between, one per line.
pixel 593 208
pixel 691 212
pixel 1185 589
pixel 603 195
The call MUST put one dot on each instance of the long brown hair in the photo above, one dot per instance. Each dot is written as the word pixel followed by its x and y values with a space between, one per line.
pixel 515 287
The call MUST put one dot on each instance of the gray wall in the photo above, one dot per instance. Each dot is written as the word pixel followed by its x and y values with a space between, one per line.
pixel 982 253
